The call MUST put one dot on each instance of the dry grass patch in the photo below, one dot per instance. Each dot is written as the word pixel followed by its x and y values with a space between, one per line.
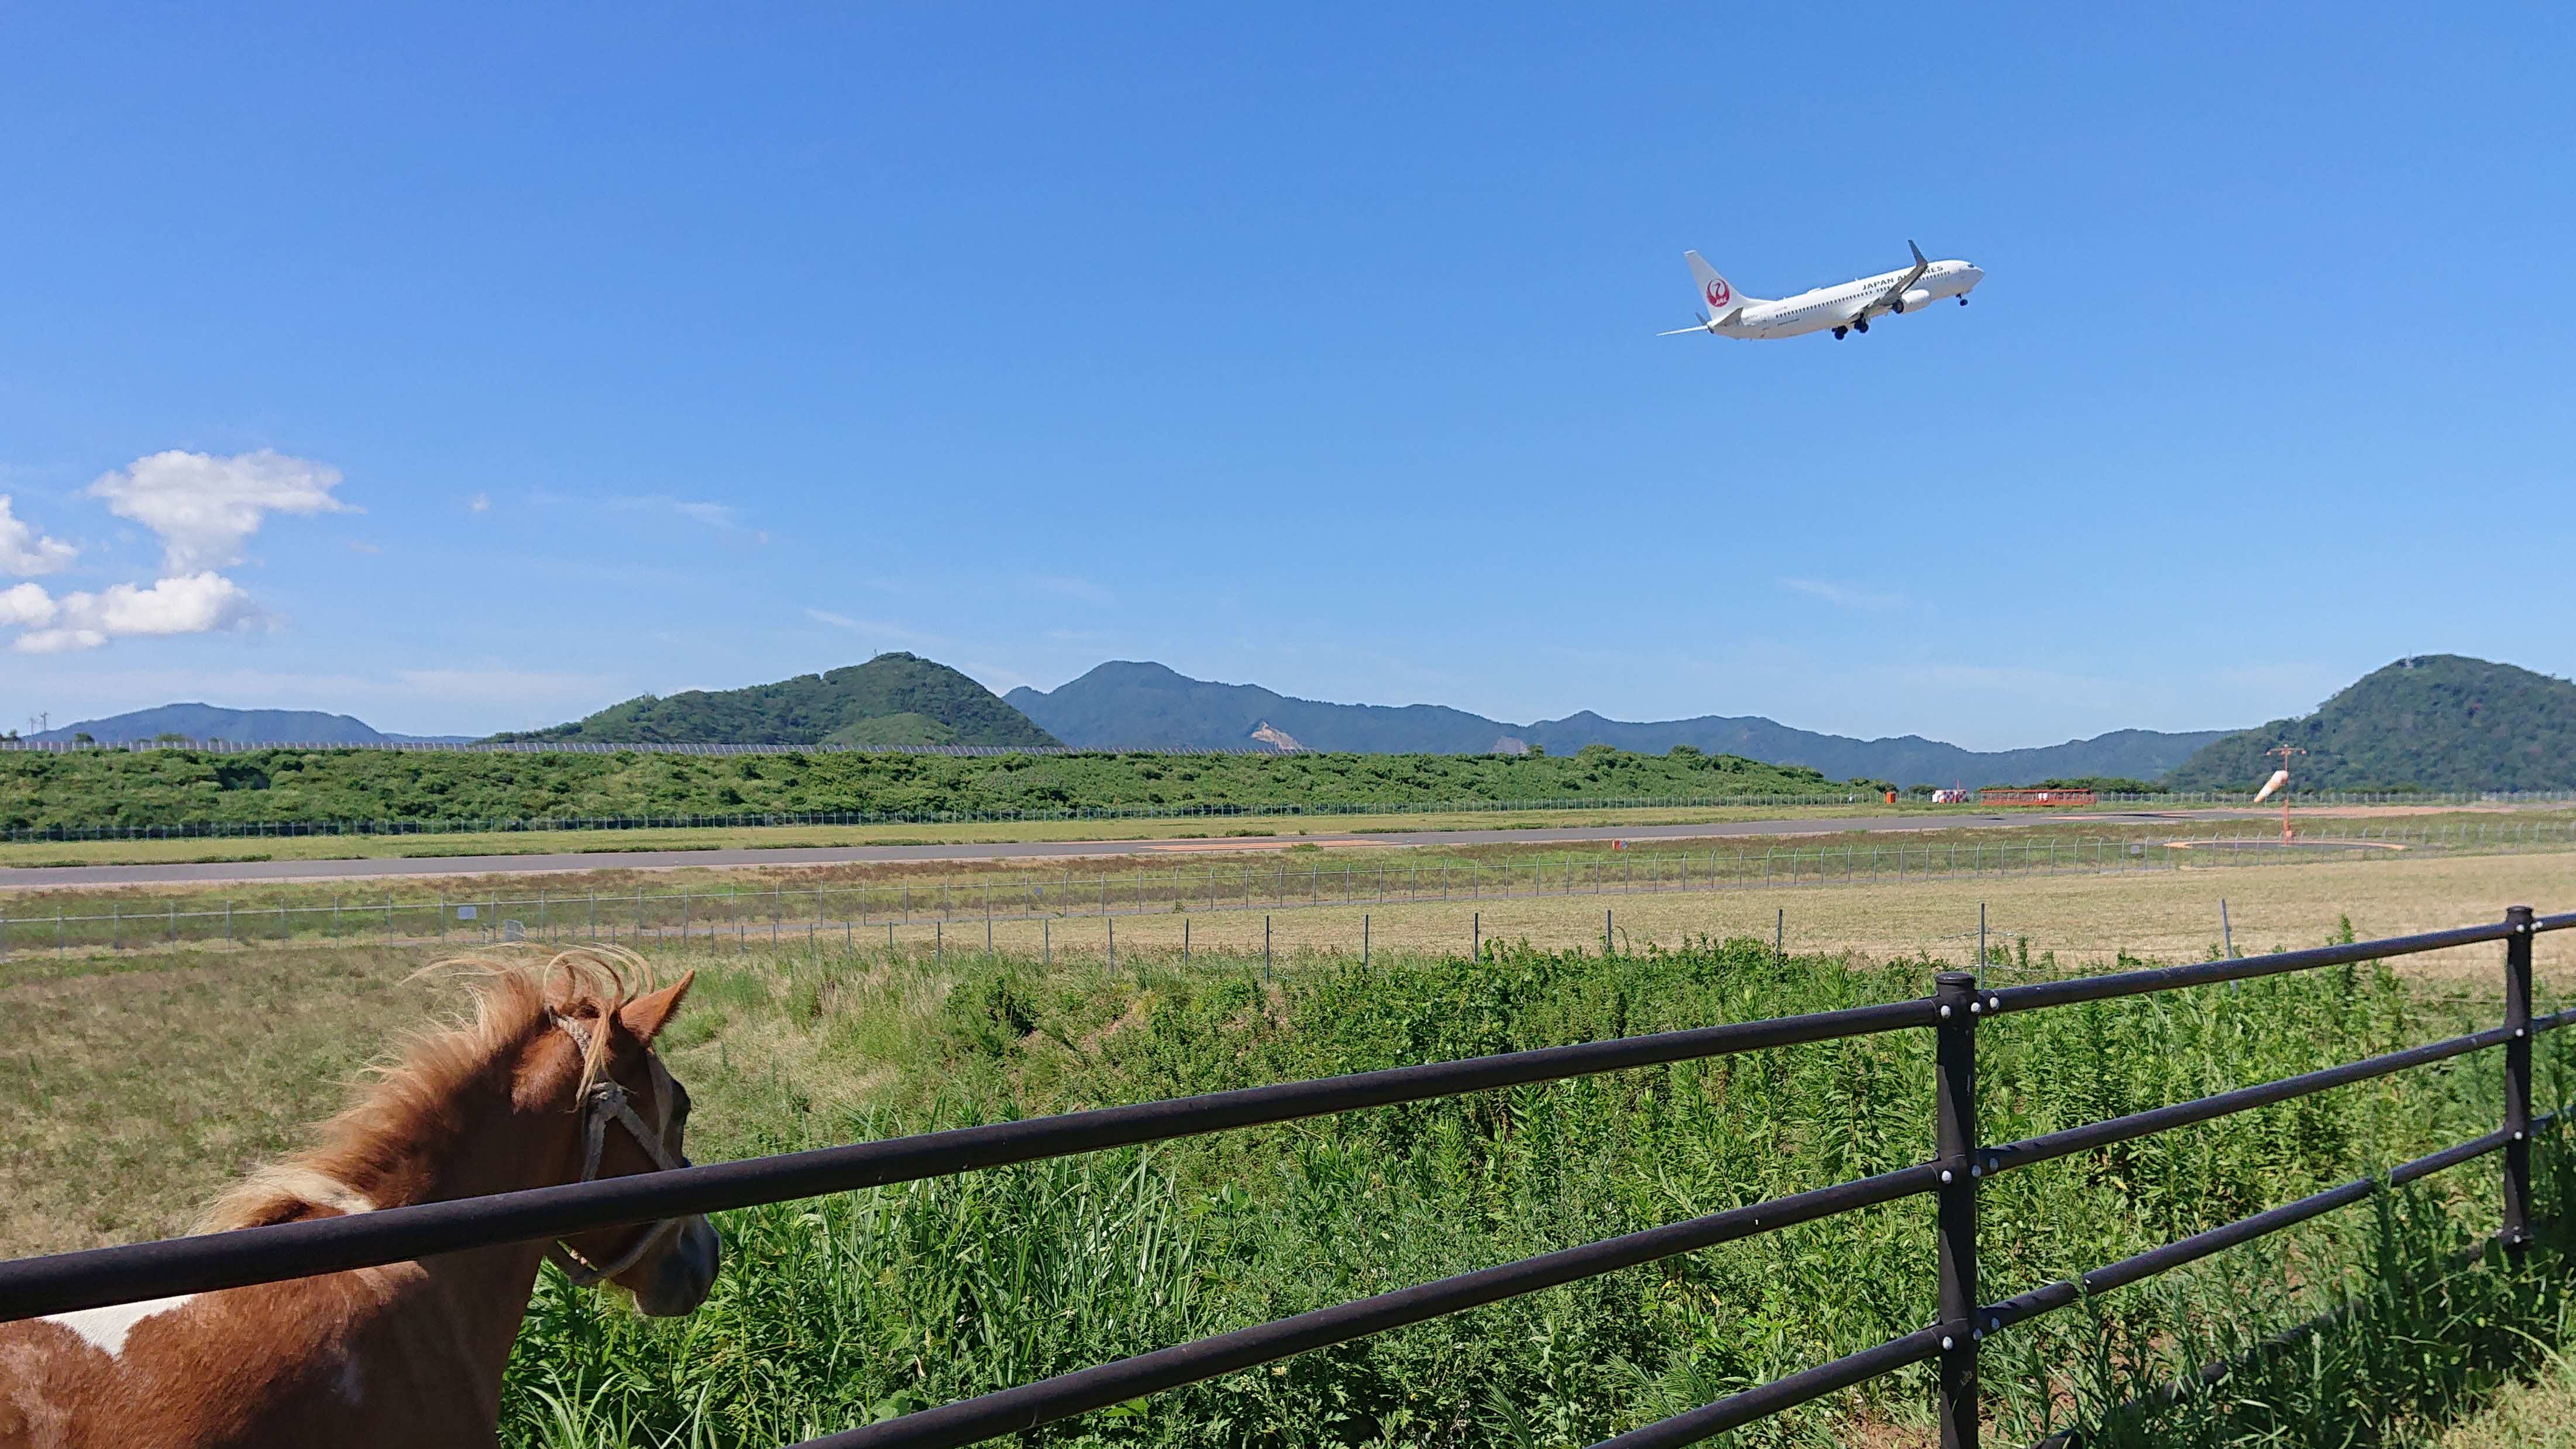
pixel 2085 919
pixel 134 1095
pixel 2540 1415
pixel 138 1087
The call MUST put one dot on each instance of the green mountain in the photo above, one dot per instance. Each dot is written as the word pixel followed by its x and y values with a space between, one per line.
pixel 2435 722
pixel 893 699
pixel 1144 706
pixel 234 726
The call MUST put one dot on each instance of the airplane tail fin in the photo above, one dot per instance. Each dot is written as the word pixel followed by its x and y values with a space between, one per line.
pixel 1714 290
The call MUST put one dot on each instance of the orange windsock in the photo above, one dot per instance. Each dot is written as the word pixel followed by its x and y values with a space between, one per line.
pixel 2279 779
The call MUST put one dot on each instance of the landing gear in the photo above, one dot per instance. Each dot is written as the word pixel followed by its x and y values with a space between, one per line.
pixel 1839 333
pixel 1963 301
pixel 1860 327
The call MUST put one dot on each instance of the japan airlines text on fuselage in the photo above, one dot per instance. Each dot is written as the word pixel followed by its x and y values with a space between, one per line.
pixel 1843 309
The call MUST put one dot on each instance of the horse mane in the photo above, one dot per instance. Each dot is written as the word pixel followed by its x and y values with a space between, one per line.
pixel 411 1100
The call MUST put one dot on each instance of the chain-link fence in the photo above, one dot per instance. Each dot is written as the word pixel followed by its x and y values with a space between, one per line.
pixel 223 829
pixel 260 829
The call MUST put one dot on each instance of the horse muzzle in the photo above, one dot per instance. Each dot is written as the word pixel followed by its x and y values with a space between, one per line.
pixel 685 1274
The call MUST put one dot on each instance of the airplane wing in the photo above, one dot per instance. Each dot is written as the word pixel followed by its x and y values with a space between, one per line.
pixel 1887 301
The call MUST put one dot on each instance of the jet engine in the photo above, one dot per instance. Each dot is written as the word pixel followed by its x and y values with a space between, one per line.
pixel 1919 297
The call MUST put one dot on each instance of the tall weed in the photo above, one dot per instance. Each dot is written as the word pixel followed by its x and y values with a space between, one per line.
pixel 856 1307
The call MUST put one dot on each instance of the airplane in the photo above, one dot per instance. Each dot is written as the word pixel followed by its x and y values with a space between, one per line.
pixel 1845 309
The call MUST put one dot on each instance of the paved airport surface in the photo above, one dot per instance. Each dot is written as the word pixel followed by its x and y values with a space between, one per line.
pixel 62 877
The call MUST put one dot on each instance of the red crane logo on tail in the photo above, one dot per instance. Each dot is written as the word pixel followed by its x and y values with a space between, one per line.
pixel 1719 294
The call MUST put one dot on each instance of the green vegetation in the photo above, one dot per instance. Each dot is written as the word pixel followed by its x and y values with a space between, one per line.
pixel 838 1310
pixel 842 1310
pixel 2436 722
pixel 184 787
pixel 893 699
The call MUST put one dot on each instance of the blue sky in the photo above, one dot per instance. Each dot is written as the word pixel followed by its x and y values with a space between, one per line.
pixel 468 368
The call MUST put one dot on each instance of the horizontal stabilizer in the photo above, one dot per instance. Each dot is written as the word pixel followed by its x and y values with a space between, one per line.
pixel 1706 324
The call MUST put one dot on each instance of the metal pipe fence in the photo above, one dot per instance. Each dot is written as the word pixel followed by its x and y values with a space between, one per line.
pixel 587 747
pixel 1954 1012
pixel 1269 886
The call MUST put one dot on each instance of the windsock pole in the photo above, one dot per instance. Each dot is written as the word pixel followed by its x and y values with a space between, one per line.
pixel 2282 780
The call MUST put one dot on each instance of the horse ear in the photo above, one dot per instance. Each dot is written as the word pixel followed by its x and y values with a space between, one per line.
pixel 648 1014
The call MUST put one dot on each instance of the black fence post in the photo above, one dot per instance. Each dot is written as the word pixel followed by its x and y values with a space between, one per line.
pixel 2517 1081
pixel 1954 1066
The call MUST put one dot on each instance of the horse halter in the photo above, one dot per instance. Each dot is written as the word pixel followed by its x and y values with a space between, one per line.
pixel 605 1102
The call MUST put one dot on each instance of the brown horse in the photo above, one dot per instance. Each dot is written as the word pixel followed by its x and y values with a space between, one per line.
pixel 554 1081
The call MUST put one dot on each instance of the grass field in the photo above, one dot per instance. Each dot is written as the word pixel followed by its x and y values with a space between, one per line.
pixel 136 1085
pixel 2086 920
pixel 2078 915
pixel 1111 833
pixel 548 842
pixel 278 1030
pixel 2539 1415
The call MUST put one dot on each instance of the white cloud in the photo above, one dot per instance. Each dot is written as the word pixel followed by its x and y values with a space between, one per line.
pixel 26 604
pixel 877 628
pixel 57 641
pixel 479 503
pixel 713 515
pixel 717 517
pixel 1843 595
pixel 205 508
pixel 192 604
pixel 25 552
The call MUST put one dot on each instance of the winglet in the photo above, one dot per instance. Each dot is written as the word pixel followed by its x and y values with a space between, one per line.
pixel 1918 254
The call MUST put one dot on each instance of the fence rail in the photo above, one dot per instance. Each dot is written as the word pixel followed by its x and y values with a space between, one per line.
pixel 586 747
pixel 245 829
pixel 104 1276
pixel 1275 886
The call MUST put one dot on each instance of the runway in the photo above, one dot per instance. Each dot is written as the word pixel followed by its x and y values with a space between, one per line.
pixel 243 872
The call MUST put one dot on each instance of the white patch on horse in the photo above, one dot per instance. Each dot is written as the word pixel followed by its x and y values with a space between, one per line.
pixel 105 1328
pixel 351 1383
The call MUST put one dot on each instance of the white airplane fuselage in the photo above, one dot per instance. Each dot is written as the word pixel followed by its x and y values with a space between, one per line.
pixel 1826 308
pixel 1847 307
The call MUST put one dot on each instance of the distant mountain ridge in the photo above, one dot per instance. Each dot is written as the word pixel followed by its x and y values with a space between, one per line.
pixel 235 726
pixel 2433 722
pixel 1131 705
pixel 893 699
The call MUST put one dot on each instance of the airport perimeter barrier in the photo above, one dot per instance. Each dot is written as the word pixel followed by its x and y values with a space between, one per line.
pixel 590 747
pixel 101 1277
pixel 513 824
pixel 229 829
pixel 843 911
